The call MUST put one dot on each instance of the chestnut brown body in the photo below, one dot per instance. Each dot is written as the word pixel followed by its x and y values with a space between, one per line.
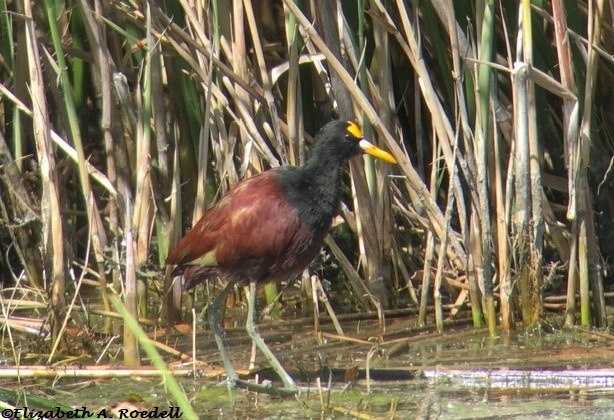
pixel 254 232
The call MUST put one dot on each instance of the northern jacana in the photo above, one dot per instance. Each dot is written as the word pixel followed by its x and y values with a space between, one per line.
pixel 269 227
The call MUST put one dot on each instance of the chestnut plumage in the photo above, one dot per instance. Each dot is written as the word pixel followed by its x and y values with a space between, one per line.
pixel 270 226
pixel 254 232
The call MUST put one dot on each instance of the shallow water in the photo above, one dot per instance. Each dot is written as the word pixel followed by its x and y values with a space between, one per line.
pixel 460 374
pixel 418 398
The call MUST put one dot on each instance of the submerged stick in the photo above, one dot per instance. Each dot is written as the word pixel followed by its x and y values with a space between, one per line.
pixel 97 372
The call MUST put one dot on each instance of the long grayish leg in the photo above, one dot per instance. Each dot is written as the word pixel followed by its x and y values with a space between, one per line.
pixel 213 315
pixel 252 331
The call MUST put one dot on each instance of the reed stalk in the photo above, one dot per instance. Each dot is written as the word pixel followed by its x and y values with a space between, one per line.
pixel 53 231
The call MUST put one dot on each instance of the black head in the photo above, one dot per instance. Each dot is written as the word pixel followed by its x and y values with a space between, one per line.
pixel 344 140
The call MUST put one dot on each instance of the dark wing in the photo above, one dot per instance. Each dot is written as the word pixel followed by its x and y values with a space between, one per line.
pixel 254 221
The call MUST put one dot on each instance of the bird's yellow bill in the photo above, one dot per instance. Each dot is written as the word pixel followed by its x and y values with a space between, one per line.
pixel 375 151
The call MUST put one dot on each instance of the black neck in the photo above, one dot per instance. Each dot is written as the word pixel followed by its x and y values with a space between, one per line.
pixel 315 189
pixel 326 176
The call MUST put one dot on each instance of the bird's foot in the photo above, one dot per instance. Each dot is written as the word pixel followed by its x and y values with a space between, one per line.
pixel 230 382
pixel 267 387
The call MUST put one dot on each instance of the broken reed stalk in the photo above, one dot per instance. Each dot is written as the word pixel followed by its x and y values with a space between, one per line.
pixel 522 186
pixel 53 232
pixel 503 240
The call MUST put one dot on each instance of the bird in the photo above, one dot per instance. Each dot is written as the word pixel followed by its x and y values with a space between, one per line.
pixel 269 227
